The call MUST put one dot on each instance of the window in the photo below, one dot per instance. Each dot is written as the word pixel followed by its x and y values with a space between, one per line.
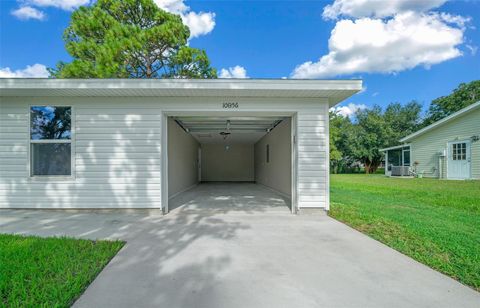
pixel 395 157
pixel 268 153
pixel 459 151
pixel 50 141
pixel 406 156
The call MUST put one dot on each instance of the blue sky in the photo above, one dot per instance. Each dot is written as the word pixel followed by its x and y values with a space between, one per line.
pixel 402 49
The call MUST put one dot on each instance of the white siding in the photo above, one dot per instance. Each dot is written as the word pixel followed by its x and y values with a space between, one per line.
pixel 116 152
pixel 312 157
pixel 118 149
pixel 426 147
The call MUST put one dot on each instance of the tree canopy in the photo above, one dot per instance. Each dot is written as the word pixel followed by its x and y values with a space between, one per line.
pixel 464 95
pixel 130 39
pixel 360 139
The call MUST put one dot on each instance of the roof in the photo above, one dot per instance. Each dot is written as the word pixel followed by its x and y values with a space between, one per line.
pixel 441 122
pixel 395 147
pixel 334 90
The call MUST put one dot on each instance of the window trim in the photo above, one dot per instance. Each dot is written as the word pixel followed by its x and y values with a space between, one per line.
pixel 71 141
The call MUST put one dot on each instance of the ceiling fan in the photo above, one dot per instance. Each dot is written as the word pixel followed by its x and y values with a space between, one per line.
pixel 226 132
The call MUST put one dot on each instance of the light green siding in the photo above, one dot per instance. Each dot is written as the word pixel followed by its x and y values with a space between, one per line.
pixel 427 148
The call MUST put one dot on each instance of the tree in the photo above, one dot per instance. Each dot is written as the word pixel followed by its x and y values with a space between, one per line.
pixel 335 135
pixel 402 120
pixel 372 133
pixel 130 39
pixel 371 130
pixel 464 95
pixel 341 129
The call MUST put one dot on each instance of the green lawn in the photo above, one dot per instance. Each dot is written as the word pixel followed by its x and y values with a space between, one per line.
pixel 49 272
pixel 435 222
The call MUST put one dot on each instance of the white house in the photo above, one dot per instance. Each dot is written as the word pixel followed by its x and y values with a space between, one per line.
pixel 446 149
pixel 104 143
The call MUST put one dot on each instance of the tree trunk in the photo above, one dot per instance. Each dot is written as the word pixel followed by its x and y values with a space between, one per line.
pixel 367 167
pixel 148 72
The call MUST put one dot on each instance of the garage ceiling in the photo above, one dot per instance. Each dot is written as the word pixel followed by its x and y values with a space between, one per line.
pixel 228 130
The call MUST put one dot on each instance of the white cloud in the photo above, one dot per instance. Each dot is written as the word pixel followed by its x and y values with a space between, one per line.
pixel 28 12
pixel 349 110
pixel 67 5
pixel 200 23
pixel 172 6
pixel 377 8
pixel 473 49
pixel 456 20
pixel 386 46
pixel 233 72
pixel 33 71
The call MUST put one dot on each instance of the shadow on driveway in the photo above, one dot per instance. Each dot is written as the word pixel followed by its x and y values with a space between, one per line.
pixel 231 257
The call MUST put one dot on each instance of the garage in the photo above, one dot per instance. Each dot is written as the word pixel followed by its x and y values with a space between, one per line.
pixel 167 143
pixel 230 163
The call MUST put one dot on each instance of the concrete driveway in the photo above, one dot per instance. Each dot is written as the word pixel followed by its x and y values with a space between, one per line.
pixel 226 256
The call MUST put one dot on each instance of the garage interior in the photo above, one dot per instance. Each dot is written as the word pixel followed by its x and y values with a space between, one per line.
pixel 229 163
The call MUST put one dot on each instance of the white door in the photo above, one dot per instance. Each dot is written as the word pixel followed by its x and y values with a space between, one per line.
pixel 458 160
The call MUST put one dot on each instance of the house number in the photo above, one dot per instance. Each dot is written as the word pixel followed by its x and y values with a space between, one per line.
pixel 230 105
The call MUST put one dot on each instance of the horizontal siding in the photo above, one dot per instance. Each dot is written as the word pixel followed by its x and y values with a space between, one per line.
pixel 81 181
pixel 13 153
pixel 426 147
pixel 67 186
pixel 116 156
pixel 312 166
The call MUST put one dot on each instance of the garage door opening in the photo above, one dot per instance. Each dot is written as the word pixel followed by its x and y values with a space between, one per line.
pixel 230 163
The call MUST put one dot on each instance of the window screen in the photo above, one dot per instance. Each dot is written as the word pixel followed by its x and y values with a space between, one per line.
pixel 51 158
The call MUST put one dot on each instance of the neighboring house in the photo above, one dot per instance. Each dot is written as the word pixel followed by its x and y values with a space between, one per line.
pixel 447 149
pixel 131 143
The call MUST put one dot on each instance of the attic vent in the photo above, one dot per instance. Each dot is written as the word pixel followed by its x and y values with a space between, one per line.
pixel 204 136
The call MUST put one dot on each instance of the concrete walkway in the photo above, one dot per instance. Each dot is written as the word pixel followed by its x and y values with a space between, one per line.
pixel 242 257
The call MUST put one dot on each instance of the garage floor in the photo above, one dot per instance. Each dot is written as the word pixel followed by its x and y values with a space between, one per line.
pixel 227 197
pixel 215 255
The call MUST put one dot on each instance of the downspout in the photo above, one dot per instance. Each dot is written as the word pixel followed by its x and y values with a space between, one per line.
pixel 440 166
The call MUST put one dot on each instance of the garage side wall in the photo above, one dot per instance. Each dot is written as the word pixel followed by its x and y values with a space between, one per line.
pixel 277 173
pixel 312 158
pixel 116 153
pixel 182 159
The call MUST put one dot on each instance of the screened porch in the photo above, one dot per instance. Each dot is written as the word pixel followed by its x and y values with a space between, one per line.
pixel 397 161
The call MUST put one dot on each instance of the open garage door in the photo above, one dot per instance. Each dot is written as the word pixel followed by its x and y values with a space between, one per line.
pixel 237 162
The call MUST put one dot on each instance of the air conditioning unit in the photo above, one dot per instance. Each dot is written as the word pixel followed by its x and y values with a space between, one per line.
pixel 400 171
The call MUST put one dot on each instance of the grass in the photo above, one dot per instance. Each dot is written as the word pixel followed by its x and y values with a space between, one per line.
pixel 434 222
pixel 49 272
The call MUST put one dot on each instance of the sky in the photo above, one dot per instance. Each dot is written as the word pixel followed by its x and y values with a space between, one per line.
pixel 403 50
